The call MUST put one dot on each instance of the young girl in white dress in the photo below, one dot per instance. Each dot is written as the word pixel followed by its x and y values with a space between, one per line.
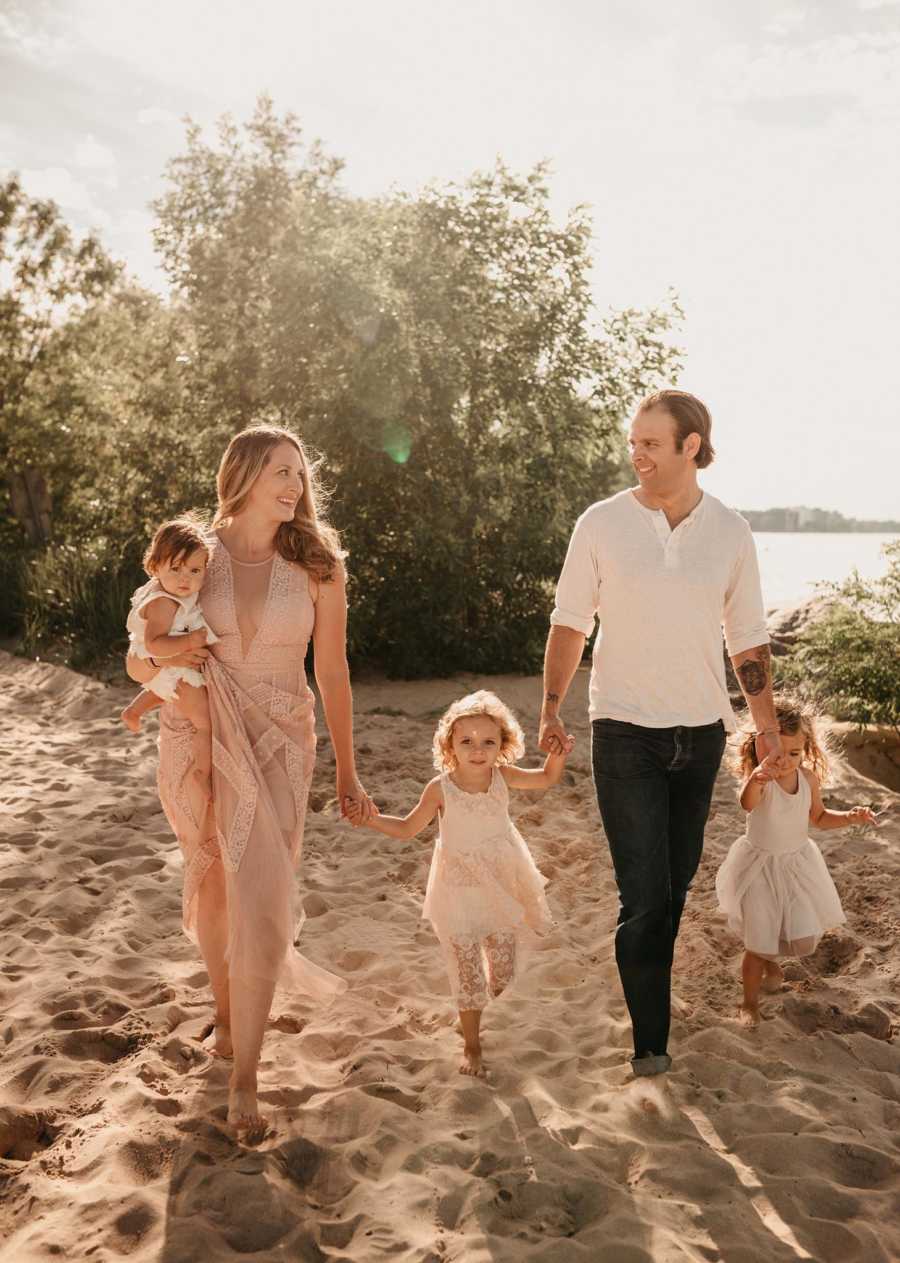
pixel 164 621
pixel 773 884
pixel 485 896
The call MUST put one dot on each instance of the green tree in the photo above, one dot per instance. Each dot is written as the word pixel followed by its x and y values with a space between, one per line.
pixel 440 350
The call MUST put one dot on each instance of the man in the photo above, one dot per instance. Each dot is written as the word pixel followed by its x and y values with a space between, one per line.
pixel 662 566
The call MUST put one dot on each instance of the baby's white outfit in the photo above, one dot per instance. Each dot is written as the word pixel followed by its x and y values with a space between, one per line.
pixel 187 618
pixel 485 895
pixel 773 884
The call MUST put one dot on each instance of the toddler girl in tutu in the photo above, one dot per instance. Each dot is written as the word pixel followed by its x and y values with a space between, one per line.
pixel 485 896
pixel 773 885
pixel 164 621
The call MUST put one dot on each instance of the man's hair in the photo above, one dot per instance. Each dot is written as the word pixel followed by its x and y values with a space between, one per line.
pixel 691 416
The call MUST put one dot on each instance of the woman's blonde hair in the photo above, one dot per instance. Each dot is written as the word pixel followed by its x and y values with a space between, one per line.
pixel 307 540
pixel 512 739
pixel 792 716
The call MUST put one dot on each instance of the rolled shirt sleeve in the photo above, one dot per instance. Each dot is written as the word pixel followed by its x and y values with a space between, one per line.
pixel 744 616
pixel 578 590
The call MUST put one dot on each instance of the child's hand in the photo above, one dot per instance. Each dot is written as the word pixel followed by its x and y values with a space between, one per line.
pixel 197 638
pixel 762 773
pixel 569 745
pixel 862 815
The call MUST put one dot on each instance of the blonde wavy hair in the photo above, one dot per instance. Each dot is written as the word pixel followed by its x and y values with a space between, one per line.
pixel 512 739
pixel 308 539
pixel 792 716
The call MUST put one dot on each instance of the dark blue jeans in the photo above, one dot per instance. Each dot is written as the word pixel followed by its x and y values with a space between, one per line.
pixel 654 787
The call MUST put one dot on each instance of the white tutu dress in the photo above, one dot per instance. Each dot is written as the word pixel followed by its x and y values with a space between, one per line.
pixel 188 618
pixel 773 885
pixel 485 895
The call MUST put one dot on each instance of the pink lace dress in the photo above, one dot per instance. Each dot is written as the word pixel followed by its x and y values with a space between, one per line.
pixel 264 748
pixel 485 895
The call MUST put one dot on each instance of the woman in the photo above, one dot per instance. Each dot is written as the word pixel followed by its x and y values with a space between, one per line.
pixel 275 578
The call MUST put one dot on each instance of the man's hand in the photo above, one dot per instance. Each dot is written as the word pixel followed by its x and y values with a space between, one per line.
pixel 552 737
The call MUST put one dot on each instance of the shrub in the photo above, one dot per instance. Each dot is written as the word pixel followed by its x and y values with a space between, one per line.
pixel 848 661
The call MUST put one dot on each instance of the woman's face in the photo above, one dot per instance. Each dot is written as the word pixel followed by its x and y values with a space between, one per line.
pixel 279 486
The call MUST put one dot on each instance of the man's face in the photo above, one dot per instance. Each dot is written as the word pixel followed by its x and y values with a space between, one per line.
pixel 660 468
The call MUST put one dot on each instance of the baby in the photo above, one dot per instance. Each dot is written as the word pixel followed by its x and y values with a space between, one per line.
pixel 164 622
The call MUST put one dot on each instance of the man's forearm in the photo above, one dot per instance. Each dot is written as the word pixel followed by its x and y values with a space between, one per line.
pixel 565 646
pixel 753 668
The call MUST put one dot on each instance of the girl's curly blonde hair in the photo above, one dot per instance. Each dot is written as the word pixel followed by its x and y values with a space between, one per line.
pixel 512 739
pixel 792 716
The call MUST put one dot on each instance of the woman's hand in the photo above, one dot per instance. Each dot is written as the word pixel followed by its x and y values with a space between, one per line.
pixel 189 658
pixel 356 805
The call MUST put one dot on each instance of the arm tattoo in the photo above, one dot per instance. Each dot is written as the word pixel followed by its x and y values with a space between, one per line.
pixel 754 673
pixel 551 697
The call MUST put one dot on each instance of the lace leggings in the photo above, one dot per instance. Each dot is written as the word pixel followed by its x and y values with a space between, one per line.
pixel 481 968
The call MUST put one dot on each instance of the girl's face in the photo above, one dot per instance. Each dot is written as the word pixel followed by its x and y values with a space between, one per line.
pixel 794 746
pixel 476 742
pixel 185 576
pixel 279 486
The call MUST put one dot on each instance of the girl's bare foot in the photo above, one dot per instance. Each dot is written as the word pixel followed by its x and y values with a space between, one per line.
pixel 472 1062
pixel 748 1015
pixel 130 719
pixel 773 977
pixel 218 1042
pixel 244 1117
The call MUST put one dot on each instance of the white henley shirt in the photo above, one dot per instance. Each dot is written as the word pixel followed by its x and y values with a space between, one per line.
pixel 662 598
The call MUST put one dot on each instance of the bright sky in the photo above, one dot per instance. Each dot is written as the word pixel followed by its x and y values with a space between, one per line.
pixel 746 155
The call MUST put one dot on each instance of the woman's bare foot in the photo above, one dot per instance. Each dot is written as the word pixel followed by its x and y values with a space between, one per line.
pixel 472 1062
pixel 773 977
pixel 218 1042
pixel 244 1117
pixel 748 1015
pixel 131 719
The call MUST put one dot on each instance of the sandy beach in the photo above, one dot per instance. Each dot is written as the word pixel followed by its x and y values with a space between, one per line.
pixel 779 1144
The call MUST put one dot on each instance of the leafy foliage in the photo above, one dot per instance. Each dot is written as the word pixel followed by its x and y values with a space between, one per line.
pixel 439 350
pixel 849 661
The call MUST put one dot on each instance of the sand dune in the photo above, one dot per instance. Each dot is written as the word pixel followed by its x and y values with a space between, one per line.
pixel 779 1144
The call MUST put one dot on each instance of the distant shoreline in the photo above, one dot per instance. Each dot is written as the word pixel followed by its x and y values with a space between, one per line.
pixel 803 521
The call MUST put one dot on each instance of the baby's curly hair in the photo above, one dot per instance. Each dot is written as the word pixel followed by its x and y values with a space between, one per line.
pixel 792 715
pixel 512 739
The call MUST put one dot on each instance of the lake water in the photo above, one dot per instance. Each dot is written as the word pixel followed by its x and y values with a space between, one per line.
pixel 791 563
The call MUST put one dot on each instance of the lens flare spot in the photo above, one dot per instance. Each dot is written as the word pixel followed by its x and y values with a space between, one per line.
pixel 396 440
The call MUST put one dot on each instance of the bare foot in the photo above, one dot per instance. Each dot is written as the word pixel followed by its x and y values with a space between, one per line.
pixel 773 977
pixel 218 1042
pixel 130 719
pixel 472 1062
pixel 748 1015
pixel 244 1117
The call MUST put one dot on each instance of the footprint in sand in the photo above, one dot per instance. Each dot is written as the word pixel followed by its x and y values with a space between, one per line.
pixel 23 1134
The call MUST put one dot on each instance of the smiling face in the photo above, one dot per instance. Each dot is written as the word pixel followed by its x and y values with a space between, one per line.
pixel 662 470
pixel 476 742
pixel 183 575
pixel 276 491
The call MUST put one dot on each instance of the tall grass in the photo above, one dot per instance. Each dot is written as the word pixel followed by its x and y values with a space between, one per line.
pixel 77 600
